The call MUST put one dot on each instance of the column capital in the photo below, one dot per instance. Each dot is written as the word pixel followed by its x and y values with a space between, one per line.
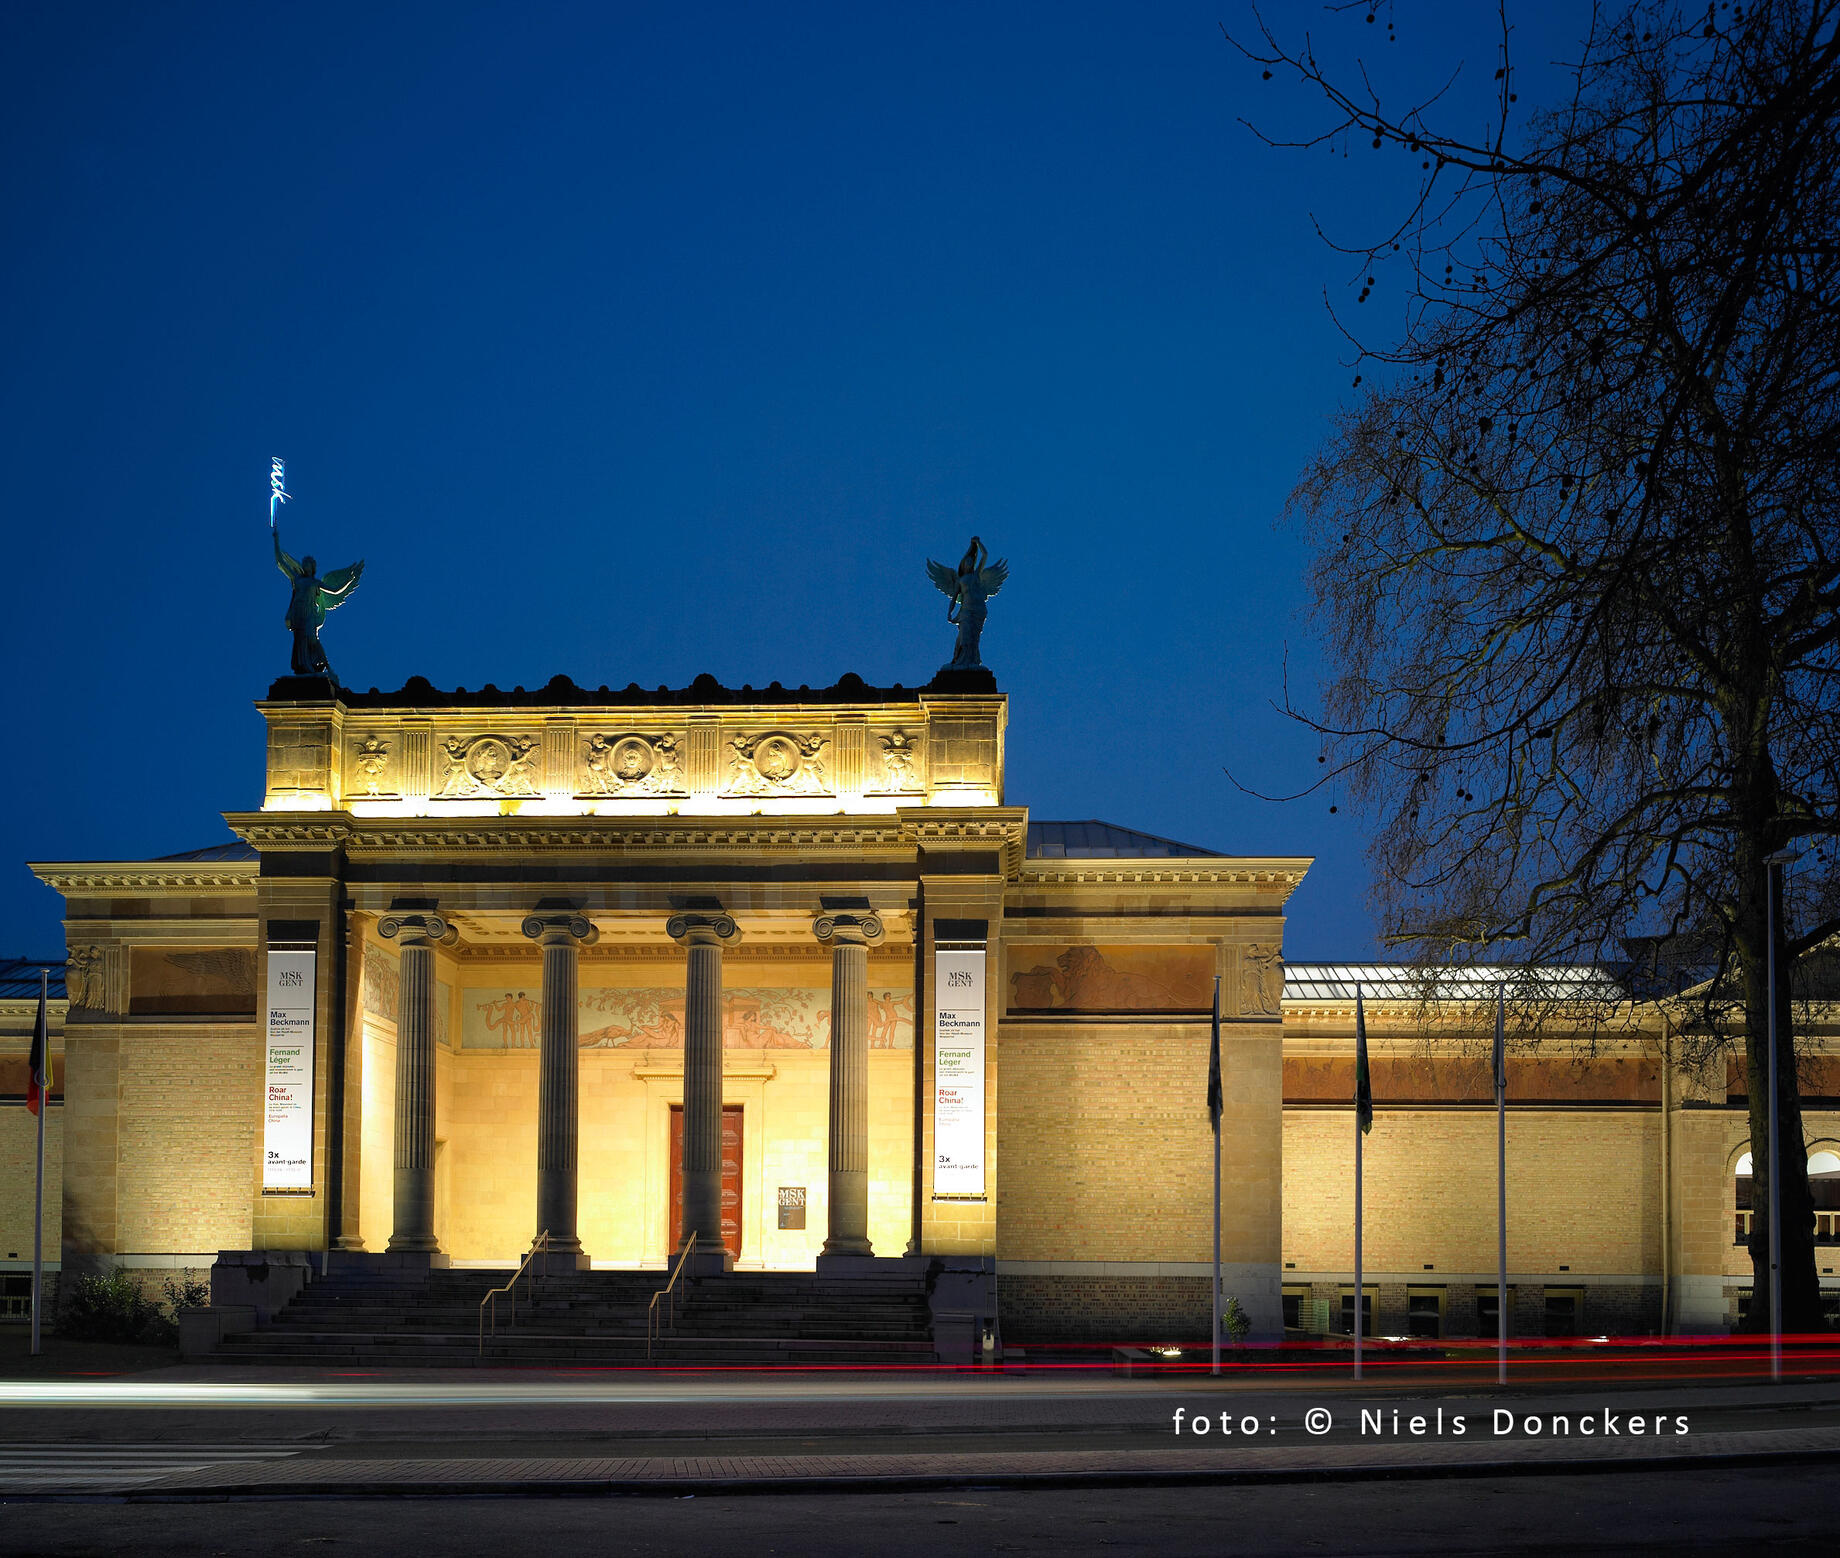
pixel 837 927
pixel 418 928
pixel 712 929
pixel 554 929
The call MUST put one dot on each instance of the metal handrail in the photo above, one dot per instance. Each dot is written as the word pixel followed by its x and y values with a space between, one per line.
pixel 538 1246
pixel 654 1328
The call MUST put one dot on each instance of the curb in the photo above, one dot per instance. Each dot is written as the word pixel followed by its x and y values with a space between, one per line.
pixel 891 1480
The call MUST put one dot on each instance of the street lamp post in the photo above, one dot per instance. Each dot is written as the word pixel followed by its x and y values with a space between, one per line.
pixel 1772 866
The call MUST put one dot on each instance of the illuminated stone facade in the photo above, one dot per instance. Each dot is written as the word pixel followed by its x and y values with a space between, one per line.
pixel 611 920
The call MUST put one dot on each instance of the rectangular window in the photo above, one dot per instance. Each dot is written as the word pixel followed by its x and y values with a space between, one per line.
pixel 1487 1308
pixel 1369 1298
pixel 1295 1310
pixel 1425 1313
pixel 16 1296
pixel 1564 1311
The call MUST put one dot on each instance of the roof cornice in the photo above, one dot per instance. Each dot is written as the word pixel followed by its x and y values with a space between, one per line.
pixel 894 834
pixel 1281 872
pixel 89 876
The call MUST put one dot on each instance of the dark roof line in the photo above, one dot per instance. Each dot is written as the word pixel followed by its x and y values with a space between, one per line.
pixel 19 978
pixel 230 849
pixel 1096 840
pixel 419 692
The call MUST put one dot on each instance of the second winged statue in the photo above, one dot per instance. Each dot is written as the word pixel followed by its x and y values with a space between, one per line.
pixel 968 587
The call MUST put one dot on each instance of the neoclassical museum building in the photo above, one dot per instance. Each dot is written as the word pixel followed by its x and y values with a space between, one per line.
pixel 792 971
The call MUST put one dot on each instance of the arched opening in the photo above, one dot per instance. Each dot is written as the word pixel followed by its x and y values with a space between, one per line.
pixel 1823 1184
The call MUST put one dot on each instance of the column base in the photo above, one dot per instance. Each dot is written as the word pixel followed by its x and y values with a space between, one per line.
pixel 348 1241
pixel 410 1262
pixel 708 1263
pixel 561 1257
pixel 847 1266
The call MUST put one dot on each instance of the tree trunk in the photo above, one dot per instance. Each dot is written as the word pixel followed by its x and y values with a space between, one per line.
pixel 1801 1284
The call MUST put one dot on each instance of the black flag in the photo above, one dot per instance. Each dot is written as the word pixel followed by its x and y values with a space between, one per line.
pixel 1363 1088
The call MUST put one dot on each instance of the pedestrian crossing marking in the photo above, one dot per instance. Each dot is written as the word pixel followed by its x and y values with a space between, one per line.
pixel 50 1466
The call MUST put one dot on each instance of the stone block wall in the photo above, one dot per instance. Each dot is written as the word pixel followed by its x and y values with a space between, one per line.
pixel 1107 1151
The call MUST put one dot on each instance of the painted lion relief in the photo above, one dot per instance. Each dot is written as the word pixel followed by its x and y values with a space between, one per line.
pixel 1114 979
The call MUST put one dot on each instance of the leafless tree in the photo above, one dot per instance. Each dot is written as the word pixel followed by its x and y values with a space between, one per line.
pixel 1577 538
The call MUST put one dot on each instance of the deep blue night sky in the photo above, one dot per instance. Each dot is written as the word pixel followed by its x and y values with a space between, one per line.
pixel 635 343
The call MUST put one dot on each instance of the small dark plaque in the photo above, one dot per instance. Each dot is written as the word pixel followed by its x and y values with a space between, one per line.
pixel 792 1206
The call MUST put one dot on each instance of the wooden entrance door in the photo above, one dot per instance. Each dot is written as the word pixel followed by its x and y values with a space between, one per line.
pixel 731 1177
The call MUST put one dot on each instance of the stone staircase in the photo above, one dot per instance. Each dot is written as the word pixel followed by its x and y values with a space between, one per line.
pixel 382 1318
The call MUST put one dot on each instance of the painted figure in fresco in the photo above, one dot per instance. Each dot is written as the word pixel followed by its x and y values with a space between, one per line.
pixel 968 587
pixel 313 596
pixel 516 1016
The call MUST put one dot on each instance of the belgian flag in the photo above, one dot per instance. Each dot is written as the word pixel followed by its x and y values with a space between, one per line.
pixel 38 1083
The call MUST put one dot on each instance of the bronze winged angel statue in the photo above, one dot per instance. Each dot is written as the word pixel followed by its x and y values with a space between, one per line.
pixel 974 582
pixel 313 596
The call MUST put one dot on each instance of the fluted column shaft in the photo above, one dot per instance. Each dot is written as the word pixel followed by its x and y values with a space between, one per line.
pixel 703 937
pixel 412 1221
pixel 561 937
pixel 849 936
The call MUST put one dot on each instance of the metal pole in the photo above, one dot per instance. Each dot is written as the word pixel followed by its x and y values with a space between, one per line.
pixel 1775 1234
pixel 1357 1244
pixel 1501 1233
pixel 38 1193
pixel 1216 1246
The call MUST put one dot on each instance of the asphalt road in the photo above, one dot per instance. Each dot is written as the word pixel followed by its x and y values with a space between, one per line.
pixel 1761 1511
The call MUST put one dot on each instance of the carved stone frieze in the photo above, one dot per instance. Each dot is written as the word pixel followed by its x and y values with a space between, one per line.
pixel 901 755
pixel 83 979
pixel 1261 981
pixel 489 765
pixel 370 761
pixel 633 765
pixel 777 762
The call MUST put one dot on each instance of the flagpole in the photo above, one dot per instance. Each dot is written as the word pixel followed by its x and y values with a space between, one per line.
pixel 38 1193
pixel 1501 1188
pixel 1214 1109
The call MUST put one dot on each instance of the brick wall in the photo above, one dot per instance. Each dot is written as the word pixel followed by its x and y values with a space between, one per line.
pixel 1104 1309
pixel 1583 1190
pixel 18 1171
pixel 190 1114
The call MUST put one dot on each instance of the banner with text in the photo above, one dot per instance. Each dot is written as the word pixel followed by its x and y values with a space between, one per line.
pixel 287 1138
pixel 958 1074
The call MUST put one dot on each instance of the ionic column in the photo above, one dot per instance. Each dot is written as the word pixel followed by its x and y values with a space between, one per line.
pixel 413 1222
pixel 703 936
pixel 849 936
pixel 561 937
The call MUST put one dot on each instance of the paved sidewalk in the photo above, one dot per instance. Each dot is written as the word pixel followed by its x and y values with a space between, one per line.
pixel 323 1476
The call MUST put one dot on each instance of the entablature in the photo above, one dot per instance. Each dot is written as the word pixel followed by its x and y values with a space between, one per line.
pixel 390 755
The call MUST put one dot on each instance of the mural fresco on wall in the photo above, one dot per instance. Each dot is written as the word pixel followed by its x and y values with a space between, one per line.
pixel 654 1019
pixel 382 993
pixel 381 990
pixel 1112 979
pixel 220 981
